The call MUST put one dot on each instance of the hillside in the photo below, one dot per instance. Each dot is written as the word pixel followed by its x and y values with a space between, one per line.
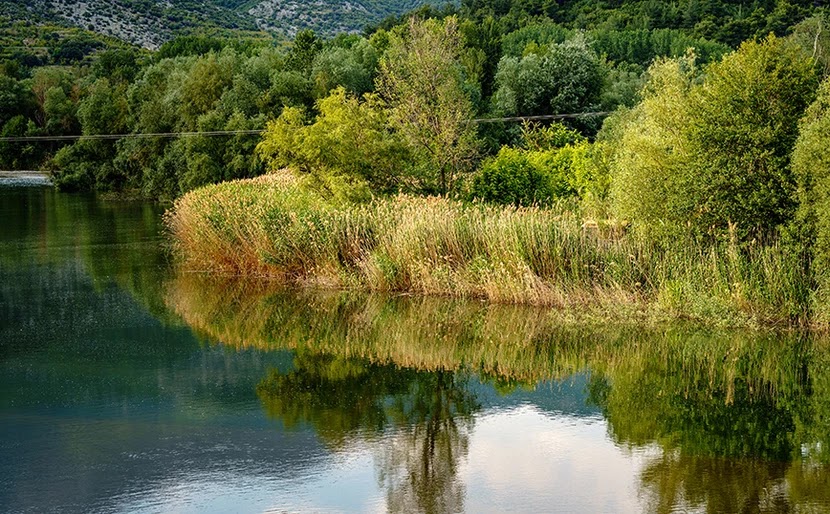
pixel 149 23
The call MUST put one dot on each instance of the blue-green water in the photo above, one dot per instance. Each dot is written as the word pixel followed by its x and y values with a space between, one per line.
pixel 128 386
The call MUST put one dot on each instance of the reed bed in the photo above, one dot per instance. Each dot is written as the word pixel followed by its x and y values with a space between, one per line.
pixel 271 227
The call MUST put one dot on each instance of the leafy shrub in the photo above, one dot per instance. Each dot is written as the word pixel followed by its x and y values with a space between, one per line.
pixel 713 157
pixel 511 178
pixel 347 148
pixel 811 166
pixel 538 177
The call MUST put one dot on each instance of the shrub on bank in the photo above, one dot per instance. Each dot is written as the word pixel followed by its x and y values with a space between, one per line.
pixel 811 167
pixel 554 162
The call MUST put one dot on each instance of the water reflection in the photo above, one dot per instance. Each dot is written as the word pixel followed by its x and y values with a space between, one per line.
pixel 740 417
pixel 423 418
pixel 124 387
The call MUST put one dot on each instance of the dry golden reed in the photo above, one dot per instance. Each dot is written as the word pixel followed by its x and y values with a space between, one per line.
pixel 270 226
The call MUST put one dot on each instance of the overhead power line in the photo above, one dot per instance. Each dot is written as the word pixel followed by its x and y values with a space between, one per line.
pixel 543 117
pixel 160 135
pixel 216 133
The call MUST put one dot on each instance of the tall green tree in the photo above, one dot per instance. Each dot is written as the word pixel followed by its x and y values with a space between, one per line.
pixel 652 150
pixel 744 127
pixel 353 68
pixel 559 78
pixel 811 167
pixel 348 152
pixel 715 156
pixel 422 80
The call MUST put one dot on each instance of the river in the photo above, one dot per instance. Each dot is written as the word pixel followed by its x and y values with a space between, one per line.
pixel 129 386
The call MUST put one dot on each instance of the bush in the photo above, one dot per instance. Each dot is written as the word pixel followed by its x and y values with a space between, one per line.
pixel 348 148
pixel 539 177
pixel 811 167
pixel 510 178
pixel 555 135
pixel 714 156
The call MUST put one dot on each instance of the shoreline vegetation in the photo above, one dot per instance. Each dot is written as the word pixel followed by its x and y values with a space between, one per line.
pixel 707 200
pixel 272 227
pixel 431 334
pixel 704 195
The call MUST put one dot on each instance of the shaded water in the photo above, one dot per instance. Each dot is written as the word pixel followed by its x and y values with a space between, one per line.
pixel 127 387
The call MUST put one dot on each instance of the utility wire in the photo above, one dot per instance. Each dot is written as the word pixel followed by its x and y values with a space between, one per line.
pixel 543 117
pixel 215 133
pixel 161 135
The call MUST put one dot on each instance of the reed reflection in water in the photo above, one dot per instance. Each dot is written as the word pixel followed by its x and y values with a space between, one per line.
pixel 739 418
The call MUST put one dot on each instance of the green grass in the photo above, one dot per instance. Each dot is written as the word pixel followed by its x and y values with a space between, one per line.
pixel 270 226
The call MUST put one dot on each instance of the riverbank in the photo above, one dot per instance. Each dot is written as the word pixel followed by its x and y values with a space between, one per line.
pixel 270 227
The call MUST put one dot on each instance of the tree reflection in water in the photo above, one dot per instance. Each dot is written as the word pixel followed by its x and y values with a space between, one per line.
pixel 419 469
pixel 675 481
pixel 425 419
pixel 742 419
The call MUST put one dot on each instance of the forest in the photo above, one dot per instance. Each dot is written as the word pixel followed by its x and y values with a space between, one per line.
pixel 689 171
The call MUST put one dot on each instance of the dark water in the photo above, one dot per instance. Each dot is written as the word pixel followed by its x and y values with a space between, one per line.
pixel 128 387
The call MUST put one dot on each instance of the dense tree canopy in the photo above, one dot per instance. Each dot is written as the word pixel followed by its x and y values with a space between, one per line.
pixel 716 154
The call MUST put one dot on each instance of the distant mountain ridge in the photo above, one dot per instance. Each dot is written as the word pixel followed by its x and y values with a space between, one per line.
pixel 149 23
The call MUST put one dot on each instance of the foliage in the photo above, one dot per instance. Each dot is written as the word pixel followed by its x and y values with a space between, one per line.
pixel 556 135
pixel 422 79
pixel 715 156
pixel 201 44
pixel 561 78
pixel 304 49
pixel 720 21
pixel 435 71
pixel 348 152
pixel 651 154
pixel 811 168
pixel 541 176
pixel 812 35
pixel 272 226
pixel 636 46
pixel 353 68
pixel 744 126
pixel 510 178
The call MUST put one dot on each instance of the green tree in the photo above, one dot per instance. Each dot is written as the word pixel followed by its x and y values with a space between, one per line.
pixel 715 156
pixel 422 81
pixel 652 150
pixel 811 167
pixel 347 149
pixel 511 178
pixel 119 64
pixel 89 163
pixel 353 68
pixel 813 34
pixel 743 128
pixel 15 99
pixel 205 82
pixel 559 78
pixel 59 112
pixel 305 48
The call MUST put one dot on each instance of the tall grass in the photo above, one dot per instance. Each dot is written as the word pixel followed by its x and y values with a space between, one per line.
pixel 271 227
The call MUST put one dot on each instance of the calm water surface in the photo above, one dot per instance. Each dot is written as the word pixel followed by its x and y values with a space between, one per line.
pixel 126 386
